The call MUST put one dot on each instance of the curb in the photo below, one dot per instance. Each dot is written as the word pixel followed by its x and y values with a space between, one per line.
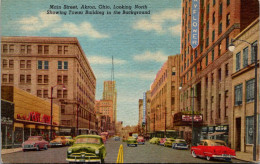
pixel 8 151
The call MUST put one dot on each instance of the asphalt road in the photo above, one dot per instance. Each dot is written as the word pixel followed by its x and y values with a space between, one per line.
pixel 148 153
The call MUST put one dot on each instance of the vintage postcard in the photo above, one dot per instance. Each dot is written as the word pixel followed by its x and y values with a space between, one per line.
pixel 130 81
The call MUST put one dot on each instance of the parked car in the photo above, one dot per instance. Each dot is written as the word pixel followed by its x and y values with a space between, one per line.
pixel 168 142
pixel 161 142
pixel 117 138
pixel 180 144
pixel 131 141
pixel 69 140
pixel 58 141
pixel 213 149
pixel 87 148
pixel 154 140
pixel 140 140
pixel 35 143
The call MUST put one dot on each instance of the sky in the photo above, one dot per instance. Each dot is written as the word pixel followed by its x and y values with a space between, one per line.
pixel 139 44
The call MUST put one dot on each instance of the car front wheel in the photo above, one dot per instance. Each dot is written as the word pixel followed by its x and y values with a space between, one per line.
pixel 208 158
pixel 193 154
pixel 46 147
pixel 38 148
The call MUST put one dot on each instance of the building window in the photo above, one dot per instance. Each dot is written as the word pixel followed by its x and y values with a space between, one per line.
pixel 220 9
pixel 22 78
pixel 249 129
pixel 228 20
pixel 228 2
pixel 59 79
pixel 59 93
pixel 5 63
pixel 238 94
pixel 46 49
pixel 253 51
pixel 207 42
pixel 29 49
pixel 22 49
pixel 250 90
pixel 245 57
pixel 39 64
pixel 208 8
pixel 219 101
pixel 28 64
pixel 45 94
pixel 213 18
pixel 227 42
pixel 65 65
pixel 39 78
pixel 219 49
pixel 238 61
pixel 11 48
pixel 46 64
pixel 201 47
pixel 65 94
pixel 207 60
pixel 11 63
pixel 213 35
pixel 28 79
pixel 219 74
pixel 59 49
pixel 66 49
pixel 220 28
pixel 46 79
pixel 226 104
pixel 59 64
pixel 214 2
pixel 212 55
pixel 5 48
pixel 39 93
pixel 4 78
pixel 191 58
pixel 22 63
pixel 65 79
pixel 40 49
pixel 226 70
pixel 212 79
pixel 196 53
pixel 62 108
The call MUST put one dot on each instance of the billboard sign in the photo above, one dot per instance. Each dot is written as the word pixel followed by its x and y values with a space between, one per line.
pixel 195 23
pixel 188 118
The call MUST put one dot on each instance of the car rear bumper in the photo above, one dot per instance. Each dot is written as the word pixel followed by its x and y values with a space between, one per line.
pixel 181 147
pixel 55 144
pixel 83 160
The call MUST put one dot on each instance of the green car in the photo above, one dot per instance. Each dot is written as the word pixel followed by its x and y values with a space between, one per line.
pixel 168 142
pixel 131 141
pixel 154 140
pixel 87 148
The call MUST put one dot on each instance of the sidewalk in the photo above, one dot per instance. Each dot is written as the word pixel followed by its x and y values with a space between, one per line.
pixel 7 151
pixel 245 156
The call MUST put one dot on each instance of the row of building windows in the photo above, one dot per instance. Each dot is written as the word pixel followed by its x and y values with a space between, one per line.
pixel 43 93
pixel 27 49
pixel 249 92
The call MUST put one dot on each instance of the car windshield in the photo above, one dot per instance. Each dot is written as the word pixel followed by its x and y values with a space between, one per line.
pixel 218 144
pixel 68 137
pixel 34 138
pixel 87 140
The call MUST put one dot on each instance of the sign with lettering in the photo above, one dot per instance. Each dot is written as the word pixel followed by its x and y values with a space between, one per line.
pixel 195 23
pixel 36 117
pixel 222 128
pixel 196 118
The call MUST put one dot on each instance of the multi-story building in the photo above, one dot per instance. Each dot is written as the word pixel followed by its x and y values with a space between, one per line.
pixel 206 70
pixel 148 111
pixel 243 79
pixel 165 95
pixel 110 93
pixel 40 65
pixel 140 118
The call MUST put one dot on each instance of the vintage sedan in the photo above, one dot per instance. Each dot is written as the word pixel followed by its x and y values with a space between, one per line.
pixel 58 141
pixel 87 148
pixel 168 142
pixel 154 140
pixel 210 149
pixel 69 140
pixel 140 140
pixel 131 141
pixel 35 143
pixel 180 144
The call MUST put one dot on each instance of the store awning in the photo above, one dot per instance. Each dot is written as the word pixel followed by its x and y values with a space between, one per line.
pixel 216 133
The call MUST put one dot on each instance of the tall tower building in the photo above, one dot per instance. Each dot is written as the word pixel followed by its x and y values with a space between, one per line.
pixel 110 93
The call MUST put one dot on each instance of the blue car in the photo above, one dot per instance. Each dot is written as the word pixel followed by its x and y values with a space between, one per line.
pixel 180 144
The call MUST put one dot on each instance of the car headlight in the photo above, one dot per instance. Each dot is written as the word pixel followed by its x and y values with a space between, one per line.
pixel 96 151
pixel 69 151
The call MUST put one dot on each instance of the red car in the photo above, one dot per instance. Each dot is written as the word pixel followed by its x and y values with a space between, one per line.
pixel 210 149
pixel 140 140
pixel 35 143
pixel 161 142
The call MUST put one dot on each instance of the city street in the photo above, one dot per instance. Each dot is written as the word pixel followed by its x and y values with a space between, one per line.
pixel 147 153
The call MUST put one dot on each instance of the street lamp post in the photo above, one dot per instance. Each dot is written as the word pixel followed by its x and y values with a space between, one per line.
pixel 253 48
pixel 52 105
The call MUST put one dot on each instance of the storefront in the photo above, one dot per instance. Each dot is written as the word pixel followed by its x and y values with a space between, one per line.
pixel 215 132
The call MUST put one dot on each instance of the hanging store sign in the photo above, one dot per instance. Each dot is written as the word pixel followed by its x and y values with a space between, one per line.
pixel 211 129
pixel 36 117
pixel 195 23
pixel 188 118
pixel 222 128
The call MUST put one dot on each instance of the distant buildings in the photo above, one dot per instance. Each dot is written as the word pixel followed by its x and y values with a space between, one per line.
pixel 110 93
